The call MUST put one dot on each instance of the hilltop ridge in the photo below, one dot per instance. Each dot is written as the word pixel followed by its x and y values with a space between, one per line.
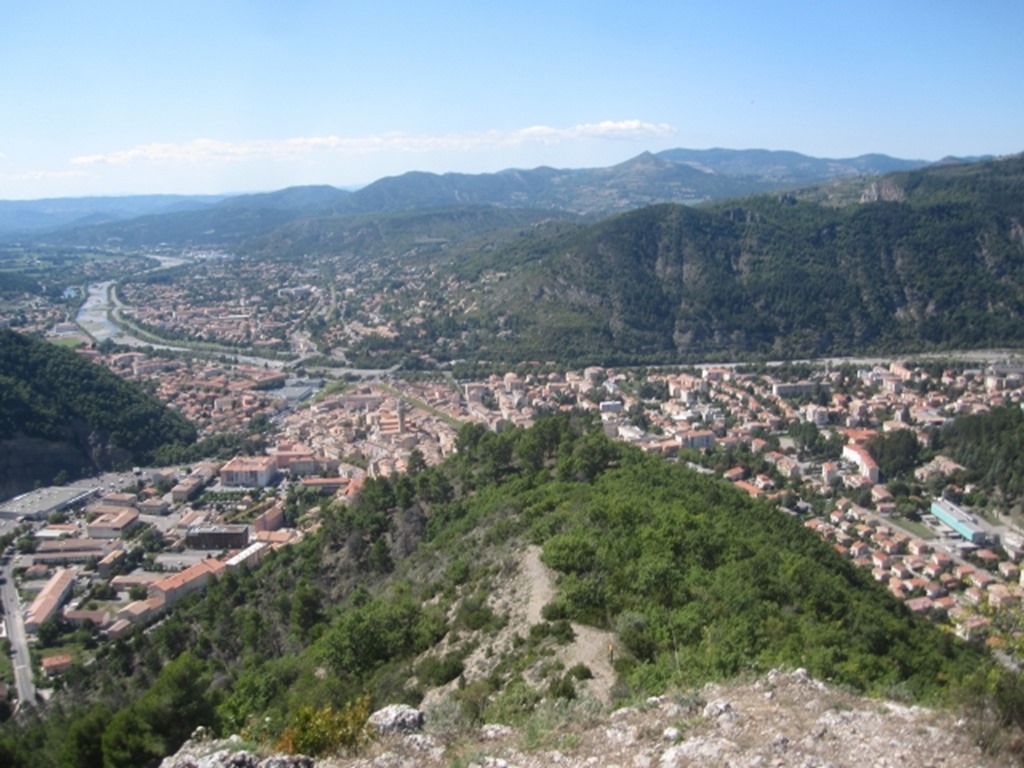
pixel 781 718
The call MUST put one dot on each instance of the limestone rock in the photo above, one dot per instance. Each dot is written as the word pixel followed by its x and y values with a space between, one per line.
pixel 397 718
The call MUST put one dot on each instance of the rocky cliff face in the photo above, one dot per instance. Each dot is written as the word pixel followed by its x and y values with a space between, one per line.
pixel 883 189
pixel 782 719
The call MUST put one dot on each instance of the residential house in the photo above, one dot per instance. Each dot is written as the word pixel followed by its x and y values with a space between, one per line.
pixel 249 472
pixel 174 588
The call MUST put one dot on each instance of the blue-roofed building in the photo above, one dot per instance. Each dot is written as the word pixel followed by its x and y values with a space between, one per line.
pixel 963 522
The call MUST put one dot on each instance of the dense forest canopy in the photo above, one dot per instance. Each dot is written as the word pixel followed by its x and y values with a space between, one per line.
pixel 91 418
pixel 991 447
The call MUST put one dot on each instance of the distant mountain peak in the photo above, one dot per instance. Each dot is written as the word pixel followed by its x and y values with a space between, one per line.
pixel 643 160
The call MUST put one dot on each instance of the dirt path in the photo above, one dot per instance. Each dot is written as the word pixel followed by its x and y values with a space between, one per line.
pixel 522 598
pixel 540 582
pixel 591 646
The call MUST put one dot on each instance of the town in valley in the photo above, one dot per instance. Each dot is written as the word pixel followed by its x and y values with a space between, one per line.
pixel 89 561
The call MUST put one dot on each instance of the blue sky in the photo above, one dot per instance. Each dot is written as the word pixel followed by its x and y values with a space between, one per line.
pixel 103 98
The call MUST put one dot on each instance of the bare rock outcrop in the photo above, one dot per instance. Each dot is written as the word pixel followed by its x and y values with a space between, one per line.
pixel 883 189
pixel 780 719
pixel 397 718
pixel 202 752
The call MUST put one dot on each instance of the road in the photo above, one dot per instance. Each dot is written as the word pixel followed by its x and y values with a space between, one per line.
pixel 16 633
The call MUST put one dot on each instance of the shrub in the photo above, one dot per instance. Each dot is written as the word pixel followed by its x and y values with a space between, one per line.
pixel 434 671
pixel 580 672
pixel 560 631
pixel 448 718
pixel 563 687
pixel 474 698
pixel 556 610
pixel 457 571
pixel 513 704
pixel 325 731
pixel 475 614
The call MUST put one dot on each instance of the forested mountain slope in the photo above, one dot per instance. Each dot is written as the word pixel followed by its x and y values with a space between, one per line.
pixel 62 415
pixel 937 264
pixel 786 168
pixel 990 447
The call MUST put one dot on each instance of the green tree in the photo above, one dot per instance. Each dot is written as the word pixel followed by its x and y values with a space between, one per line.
pixel 129 741
pixel 48 633
pixel 83 746
pixel 306 608
pixel 12 755
pixel 163 718
pixel 896 452
pixel 137 592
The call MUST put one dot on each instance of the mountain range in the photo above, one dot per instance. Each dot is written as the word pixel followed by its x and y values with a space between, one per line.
pixel 620 266
pixel 934 258
pixel 677 175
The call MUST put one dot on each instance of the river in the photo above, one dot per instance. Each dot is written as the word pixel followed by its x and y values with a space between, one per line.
pixel 94 319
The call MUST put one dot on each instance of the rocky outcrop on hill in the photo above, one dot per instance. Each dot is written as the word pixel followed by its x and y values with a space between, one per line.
pixel 883 189
pixel 781 719
pixel 397 718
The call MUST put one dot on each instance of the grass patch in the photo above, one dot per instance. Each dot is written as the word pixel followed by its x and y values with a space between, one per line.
pixel 71 343
pixel 920 530
pixel 6 669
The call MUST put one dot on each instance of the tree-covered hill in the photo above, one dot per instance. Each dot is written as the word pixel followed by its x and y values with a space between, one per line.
pixel 394 593
pixel 939 266
pixel 792 169
pixel 396 239
pixel 62 415
pixel 990 447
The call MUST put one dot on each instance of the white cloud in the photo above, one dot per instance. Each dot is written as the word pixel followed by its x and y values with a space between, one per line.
pixel 207 150
pixel 608 129
pixel 42 175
